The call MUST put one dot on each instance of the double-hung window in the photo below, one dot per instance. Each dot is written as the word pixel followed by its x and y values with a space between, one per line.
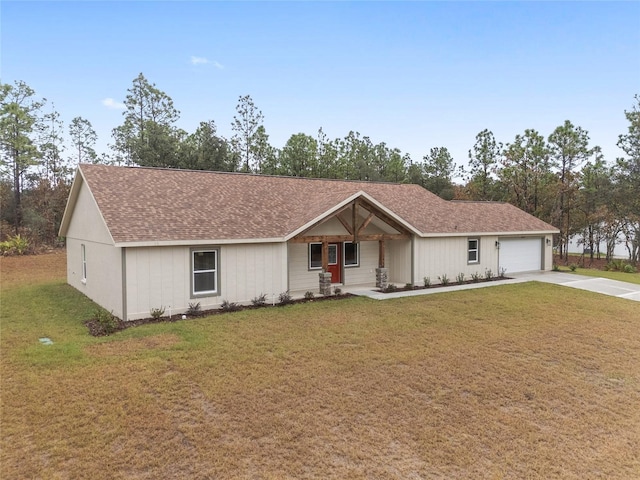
pixel 83 256
pixel 315 256
pixel 204 272
pixel 473 250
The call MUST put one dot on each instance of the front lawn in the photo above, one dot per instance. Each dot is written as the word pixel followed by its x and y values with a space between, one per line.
pixel 591 272
pixel 515 381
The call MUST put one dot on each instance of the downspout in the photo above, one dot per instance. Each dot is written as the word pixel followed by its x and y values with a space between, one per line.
pixel 413 259
pixel 123 256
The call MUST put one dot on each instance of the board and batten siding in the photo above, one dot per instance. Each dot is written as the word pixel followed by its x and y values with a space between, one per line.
pixel 398 261
pixel 104 261
pixel 160 277
pixel 435 257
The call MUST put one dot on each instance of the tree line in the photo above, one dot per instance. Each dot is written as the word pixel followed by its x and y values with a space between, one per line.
pixel 560 178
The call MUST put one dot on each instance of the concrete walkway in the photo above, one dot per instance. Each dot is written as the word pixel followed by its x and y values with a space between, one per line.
pixel 605 286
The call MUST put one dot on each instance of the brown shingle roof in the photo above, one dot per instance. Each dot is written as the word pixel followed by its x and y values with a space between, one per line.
pixel 146 205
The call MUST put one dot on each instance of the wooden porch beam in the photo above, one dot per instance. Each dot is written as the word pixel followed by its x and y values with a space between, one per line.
pixel 325 256
pixel 355 221
pixel 366 222
pixel 381 247
pixel 349 238
pixel 345 224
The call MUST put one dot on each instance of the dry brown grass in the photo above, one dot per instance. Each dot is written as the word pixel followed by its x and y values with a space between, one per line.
pixel 32 269
pixel 518 381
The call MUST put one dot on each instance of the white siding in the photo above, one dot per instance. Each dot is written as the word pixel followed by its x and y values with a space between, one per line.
pixel 398 261
pixel 300 277
pixel 448 255
pixel 366 272
pixel 161 276
pixel 103 284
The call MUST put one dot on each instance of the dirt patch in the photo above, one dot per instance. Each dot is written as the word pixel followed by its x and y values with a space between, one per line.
pixel 582 261
pixel 33 269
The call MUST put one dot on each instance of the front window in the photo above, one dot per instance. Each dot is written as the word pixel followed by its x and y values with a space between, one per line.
pixel 351 254
pixel 205 272
pixel 473 251
pixel 315 256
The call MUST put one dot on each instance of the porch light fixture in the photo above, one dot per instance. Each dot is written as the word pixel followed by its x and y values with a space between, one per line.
pixel 497 244
pixel 548 242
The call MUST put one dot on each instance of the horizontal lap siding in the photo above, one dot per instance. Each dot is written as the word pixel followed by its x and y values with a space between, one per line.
pixel 300 277
pixel 366 272
pixel 161 276
pixel 435 257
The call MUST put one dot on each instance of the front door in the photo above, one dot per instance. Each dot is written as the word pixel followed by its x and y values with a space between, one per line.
pixel 335 263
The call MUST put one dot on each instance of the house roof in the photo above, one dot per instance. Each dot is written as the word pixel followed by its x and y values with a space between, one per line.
pixel 143 205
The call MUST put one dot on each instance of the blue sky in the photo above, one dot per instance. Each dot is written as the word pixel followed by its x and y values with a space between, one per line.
pixel 415 75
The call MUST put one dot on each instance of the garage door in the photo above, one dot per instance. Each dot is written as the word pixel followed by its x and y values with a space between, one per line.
pixel 520 254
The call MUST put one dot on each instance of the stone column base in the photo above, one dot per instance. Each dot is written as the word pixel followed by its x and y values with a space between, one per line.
pixel 325 283
pixel 382 278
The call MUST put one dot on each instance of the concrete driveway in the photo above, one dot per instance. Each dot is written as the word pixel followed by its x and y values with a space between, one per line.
pixel 630 291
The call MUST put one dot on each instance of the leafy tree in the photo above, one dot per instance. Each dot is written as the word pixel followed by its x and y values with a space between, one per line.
pixel 266 157
pixel 438 169
pixel 628 178
pixel 298 157
pixel 51 145
pixel 483 161
pixel 148 136
pixel 205 150
pixel 19 116
pixel 526 172
pixel 83 140
pixel 569 149
pixel 245 125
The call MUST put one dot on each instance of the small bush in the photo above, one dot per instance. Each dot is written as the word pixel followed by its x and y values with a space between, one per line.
pixel 555 267
pixel 573 267
pixel 408 286
pixel 15 245
pixel 444 280
pixel 488 274
pixel 227 306
pixel 194 308
pixel 260 300
pixel 337 290
pixel 475 277
pixel 285 298
pixel 106 321
pixel 502 273
pixel 460 278
pixel 156 313
pixel 628 268
pixel 390 288
pixel 616 265
pixel 427 282
pixel 309 295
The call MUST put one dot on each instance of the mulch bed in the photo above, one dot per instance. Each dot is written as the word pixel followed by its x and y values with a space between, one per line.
pixel 407 288
pixel 97 330
pixel 583 261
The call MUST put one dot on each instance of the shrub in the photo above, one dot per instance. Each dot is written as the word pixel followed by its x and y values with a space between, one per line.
pixel 285 298
pixel 309 295
pixel 390 288
pixel 573 267
pixel 628 268
pixel 488 274
pixel 460 278
pixel 227 306
pixel 156 313
pixel 555 267
pixel 408 286
pixel 260 300
pixel 616 265
pixel 106 321
pixel 337 290
pixel 475 277
pixel 502 273
pixel 444 280
pixel 194 308
pixel 15 245
pixel 427 282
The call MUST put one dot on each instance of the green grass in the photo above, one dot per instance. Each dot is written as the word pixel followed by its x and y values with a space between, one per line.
pixel 590 272
pixel 515 381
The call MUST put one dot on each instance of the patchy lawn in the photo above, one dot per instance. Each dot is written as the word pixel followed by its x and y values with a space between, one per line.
pixel 516 381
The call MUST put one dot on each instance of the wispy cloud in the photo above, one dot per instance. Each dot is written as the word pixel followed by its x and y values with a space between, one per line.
pixel 204 61
pixel 199 60
pixel 111 103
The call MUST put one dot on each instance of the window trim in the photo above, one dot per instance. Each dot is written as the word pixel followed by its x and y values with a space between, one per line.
pixel 311 267
pixel 83 259
pixel 344 255
pixel 192 272
pixel 476 250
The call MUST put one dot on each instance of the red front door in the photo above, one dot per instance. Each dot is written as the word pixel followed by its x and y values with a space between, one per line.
pixel 335 263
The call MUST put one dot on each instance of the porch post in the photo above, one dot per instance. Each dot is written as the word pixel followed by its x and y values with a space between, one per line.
pixel 382 273
pixel 325 275
pixel 325 256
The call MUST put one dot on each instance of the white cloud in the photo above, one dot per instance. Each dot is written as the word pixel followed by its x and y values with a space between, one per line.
pixel 111 103
pixel 199 60
pixel 204 61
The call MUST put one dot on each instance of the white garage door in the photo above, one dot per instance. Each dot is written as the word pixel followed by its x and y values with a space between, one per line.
pixel 520 254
